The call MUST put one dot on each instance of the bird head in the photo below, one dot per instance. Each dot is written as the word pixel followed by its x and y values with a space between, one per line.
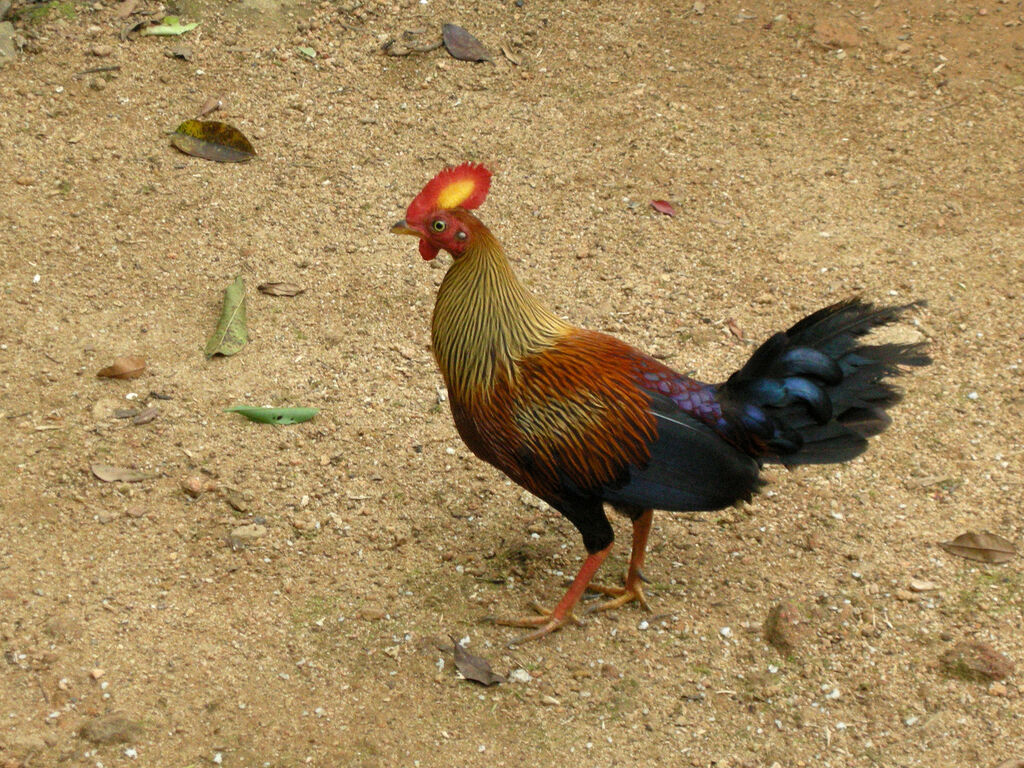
pixel 439 216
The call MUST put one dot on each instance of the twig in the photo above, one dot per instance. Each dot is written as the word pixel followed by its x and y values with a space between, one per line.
pixel 390 49
pixel 94 70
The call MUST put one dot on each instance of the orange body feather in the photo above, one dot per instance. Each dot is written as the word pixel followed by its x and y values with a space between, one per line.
pixel 570 411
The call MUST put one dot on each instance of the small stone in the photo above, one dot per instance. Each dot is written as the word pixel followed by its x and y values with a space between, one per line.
pixel 96 673
pixel 922 585
pixel 115 728
pixel 813 542
pixel 550 701
pixel 372 613
pixel 193 486
pixel 24 181
pixel 519 676
pixel 782 627
pixel 245 534
pixel 997 689
pixel 102 51
pixel 975 660
pixel 97 83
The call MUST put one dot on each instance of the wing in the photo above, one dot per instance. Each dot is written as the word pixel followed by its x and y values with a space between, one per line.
pixel 587 417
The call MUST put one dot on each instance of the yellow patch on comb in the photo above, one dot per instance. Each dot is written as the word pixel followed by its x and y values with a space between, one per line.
pixel 456 193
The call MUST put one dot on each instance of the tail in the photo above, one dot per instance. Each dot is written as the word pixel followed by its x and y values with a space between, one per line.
pixel 816 393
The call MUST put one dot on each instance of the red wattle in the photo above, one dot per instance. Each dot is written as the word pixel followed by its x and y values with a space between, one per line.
pixel 427 251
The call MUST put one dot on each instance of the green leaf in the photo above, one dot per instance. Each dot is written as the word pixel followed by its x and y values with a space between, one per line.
pixel 231 334
pixel 306 51
pixel 274 415
pixel 213 140
pixel 170 25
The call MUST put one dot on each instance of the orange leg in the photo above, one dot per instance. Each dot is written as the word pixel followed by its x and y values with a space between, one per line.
pixel 562 613
pixel 634 588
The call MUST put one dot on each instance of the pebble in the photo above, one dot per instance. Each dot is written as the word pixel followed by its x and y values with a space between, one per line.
pixel 248 533
pixel 550 701
pixel 519 676
pixel 193 486
pixel 922 585
pixel 782 627
pixel 101 50
pixel 976 660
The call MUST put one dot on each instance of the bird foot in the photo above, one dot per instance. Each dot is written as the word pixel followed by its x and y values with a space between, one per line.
pixel 620 596
pixel 546 622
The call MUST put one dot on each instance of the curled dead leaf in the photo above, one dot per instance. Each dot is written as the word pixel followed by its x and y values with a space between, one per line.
pixel 212 104
pixel 123 368
pixel 146 415
pixel 982 547
pixel 280 289
pixel 663 206
pixel 108 473
pixel 462 45
pixel 473 667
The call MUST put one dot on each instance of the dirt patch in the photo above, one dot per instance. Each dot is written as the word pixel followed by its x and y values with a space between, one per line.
pixel 810 153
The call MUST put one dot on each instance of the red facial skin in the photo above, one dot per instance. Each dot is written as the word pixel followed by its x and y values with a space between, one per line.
pixel 445 229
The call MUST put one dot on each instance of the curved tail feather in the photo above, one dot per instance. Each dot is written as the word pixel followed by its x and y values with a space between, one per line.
pixel 815 393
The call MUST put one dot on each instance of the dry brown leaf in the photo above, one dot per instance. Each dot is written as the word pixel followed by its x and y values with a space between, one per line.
pixel 462 45
pixel 108 473
pixel 212 104
pixel 983 547
pixel 663 206
pixel 280 289
pixel 125 9
pixel 123 368
pixel 146 415
pixel 473 667
pixel 734 329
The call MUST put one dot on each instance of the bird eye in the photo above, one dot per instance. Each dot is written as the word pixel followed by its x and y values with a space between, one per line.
pixel 438 225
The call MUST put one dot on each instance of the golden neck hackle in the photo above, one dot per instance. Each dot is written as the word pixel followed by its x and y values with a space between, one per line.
pixel 485 321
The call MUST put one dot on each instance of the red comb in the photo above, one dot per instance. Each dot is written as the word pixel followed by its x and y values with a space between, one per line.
pixel 464 186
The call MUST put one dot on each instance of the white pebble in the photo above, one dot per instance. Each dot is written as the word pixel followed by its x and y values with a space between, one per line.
pixel 725 632
pixel 519 676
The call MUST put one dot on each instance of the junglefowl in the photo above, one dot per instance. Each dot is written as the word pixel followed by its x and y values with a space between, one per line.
pixel 581 419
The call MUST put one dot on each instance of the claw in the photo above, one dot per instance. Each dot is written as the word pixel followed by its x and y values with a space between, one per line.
pixel 621 596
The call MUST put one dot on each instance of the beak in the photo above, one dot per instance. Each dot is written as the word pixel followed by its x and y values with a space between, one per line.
pixel 401 228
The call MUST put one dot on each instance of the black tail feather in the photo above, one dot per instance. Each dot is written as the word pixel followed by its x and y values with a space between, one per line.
pixel 814 394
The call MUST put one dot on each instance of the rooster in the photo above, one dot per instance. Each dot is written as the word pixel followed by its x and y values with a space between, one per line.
pixel 582 419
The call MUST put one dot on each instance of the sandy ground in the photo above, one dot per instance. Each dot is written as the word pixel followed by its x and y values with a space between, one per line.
pixel 812 151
